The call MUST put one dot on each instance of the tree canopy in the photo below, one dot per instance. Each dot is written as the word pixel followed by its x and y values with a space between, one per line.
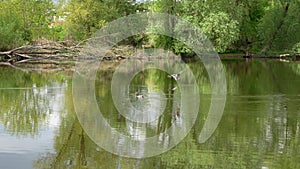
pixel 262 26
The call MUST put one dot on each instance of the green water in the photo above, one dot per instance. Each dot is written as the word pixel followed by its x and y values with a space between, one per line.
pixel 260 127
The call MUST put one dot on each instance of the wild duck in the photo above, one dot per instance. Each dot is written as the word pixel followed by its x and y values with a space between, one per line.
pixel 139 96
pixel 175 76
pixel 174 88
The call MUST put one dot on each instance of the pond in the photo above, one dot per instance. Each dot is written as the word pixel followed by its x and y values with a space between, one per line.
pixel 260 126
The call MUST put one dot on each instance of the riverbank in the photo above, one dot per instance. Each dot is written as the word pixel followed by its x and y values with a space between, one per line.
pixel 63 56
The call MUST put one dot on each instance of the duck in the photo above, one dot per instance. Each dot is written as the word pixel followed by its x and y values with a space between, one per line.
pixel 175 76
pixel 139 96
pixel 177 114
pixel 174 88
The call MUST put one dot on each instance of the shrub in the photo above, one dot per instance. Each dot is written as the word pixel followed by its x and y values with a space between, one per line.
pixel 10 31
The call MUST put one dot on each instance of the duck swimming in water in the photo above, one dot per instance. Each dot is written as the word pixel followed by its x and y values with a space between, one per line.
pixel 174 88
pixel 175 76
pixel 139 96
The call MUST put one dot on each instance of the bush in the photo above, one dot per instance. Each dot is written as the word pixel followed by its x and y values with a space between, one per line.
pixel 57 33
pixel 10 31
pixel 296 48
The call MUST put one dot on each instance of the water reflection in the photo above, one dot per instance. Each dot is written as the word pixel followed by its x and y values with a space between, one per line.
pixel 260 126
pixel 30 108
pixel 27 101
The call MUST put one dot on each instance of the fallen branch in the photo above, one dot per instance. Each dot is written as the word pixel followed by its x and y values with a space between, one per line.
pixel 289 55
pixel 19 54
pixel 55 55
pixel 15 67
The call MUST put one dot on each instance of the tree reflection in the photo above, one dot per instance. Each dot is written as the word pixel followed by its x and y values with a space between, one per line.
pixel 24 101
pixel 259 128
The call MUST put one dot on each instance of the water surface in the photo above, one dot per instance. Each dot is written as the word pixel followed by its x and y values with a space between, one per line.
pixel 260 127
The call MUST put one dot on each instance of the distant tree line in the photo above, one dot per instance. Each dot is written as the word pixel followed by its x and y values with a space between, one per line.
pixel 262 26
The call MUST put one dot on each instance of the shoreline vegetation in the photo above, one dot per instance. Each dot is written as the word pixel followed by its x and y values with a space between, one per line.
pixel 58 56
pixel 51 33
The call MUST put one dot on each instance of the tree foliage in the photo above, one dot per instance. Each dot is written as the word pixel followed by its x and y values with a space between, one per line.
pixel 241 25
pixel 279 28
pixel 231 25
pixel 220 29
pixel 23 20
pixel 89 15
pixel 10 28
pixel 218 25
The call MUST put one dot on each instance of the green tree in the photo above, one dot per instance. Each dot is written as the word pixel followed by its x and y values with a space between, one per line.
pixel 164 6
pixel 249 14
pixel 279 29
pixel 36 16
pixel 88 16
pixel 220 29
pixel 218 25
pixel 23 20
pixel 10 27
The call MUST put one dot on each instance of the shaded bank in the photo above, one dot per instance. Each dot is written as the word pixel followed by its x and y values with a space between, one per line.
pixel 54 56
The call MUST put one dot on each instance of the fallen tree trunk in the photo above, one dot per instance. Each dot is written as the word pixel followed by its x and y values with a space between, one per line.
pixel 38 50
pixel 56 57
pixel 37 55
